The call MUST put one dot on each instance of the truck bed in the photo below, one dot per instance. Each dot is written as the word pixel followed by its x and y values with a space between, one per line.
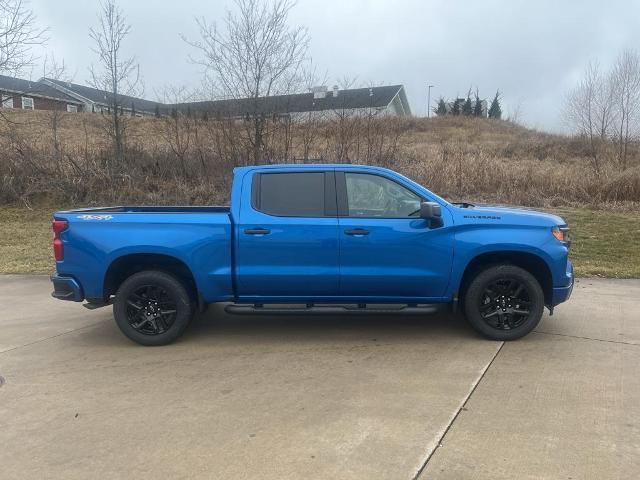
pixel 152 209
pixel 196 236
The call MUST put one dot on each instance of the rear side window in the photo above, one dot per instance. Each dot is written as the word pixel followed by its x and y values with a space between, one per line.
pixel 298 194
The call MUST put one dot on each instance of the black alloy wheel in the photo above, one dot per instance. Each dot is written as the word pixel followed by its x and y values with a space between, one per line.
pixel 151 310
pixel 504 302
pixel 153 307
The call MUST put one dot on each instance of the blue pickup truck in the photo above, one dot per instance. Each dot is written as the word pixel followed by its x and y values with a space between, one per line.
pixel 309 239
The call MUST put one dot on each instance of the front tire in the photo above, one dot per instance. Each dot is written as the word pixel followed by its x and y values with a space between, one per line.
pixel 152 308
pixel 504 302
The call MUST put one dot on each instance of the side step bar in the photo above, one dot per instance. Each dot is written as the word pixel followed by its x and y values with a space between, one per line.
pixel 327 309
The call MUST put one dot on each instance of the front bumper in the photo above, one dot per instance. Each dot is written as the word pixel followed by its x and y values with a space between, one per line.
pixel 562 294
pixel 66 288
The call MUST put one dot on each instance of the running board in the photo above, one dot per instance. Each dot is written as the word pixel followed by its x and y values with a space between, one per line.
pixel 327 309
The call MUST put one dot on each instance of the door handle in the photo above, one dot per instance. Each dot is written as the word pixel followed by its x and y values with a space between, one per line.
pixel 357 231
pixel 257 231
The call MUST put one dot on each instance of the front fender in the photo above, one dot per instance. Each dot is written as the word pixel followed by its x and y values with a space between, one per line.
pixel 473 241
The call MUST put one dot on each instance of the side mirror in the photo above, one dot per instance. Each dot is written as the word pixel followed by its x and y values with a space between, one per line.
pixel 430 211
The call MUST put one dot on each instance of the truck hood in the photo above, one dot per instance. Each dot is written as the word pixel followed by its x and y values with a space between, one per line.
pixel 502 213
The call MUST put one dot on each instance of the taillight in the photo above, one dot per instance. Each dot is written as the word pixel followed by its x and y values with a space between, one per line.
pixel 58 226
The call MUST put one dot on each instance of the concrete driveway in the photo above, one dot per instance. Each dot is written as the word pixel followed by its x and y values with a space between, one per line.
pixel 320 397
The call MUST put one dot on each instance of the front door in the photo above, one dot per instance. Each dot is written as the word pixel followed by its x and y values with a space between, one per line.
pixel 288 236
pixel 387 251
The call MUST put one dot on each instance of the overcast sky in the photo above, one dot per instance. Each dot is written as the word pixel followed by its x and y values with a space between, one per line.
pixel 532 51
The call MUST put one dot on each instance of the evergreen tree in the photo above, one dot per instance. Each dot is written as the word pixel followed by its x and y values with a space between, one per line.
pixel 174 113
pixel 477 108
pixel 441 109
pixel 133 109
pixel 467 110
pixel 157 112
pixel 455 109
pixel 494 110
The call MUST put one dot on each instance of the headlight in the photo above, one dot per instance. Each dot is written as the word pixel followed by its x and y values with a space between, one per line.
pixel 561 233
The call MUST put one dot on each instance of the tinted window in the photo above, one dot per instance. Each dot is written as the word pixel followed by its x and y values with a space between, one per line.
pixel 292 194
pixel 375 196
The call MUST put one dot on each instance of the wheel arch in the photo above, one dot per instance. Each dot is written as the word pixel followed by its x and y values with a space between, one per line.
pixel 532 263
pixel 124 266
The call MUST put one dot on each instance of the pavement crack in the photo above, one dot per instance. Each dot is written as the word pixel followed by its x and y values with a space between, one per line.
pixel 462 407
pixel 587 338
pixel 45 339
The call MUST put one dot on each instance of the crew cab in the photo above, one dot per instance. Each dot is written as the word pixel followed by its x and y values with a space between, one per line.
pixel 314 239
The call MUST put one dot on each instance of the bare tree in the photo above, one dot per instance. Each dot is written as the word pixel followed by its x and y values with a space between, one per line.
pixel 626 89
pixel 116 74
pixel 605 105
pixel 343 125
pixel 307 124
pixel 515 113
pixel 255 54
pixel 55 70
pixel 19 33
pixel 588 109
pixel 180 127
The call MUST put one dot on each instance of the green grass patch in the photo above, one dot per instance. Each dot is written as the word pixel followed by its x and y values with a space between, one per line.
pixel 26 240
pixel 605 244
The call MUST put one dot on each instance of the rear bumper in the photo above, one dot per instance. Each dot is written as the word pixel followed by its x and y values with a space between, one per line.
pixel 66 288
pixel 562 294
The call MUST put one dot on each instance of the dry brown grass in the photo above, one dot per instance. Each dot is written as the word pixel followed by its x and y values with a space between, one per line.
pixel 456 157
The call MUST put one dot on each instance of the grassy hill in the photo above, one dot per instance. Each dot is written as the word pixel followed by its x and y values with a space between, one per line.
pixel 190 161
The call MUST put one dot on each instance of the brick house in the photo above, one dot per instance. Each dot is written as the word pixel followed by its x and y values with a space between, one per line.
pixel 28 95
pixel 100 101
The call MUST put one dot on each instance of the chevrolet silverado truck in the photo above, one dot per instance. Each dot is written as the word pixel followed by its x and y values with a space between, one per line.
pixel 314 239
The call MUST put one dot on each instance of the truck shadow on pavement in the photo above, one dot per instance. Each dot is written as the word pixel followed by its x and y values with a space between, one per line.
pixel 215 326
pixel 397 327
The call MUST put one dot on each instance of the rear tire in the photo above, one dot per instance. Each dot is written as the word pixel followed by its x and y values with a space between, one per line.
pixel 497 299
pixel 152 308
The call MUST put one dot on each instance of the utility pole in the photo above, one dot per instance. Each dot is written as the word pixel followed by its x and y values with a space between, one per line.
pixel 429 101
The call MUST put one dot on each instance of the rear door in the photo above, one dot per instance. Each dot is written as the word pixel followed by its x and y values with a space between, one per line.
pixel 288 235
pixel 386 250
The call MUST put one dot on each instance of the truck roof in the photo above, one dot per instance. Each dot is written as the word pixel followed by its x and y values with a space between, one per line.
pixel 309 166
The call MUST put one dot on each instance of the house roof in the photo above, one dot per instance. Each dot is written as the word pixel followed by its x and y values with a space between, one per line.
pixel 101 97
pixel 35 89
pixel 374 97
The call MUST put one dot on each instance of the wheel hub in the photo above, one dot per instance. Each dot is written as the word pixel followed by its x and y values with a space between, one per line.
pixel 505 304
pixel 151 310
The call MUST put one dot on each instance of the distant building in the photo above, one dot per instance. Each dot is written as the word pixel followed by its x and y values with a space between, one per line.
pixel 387 100
pixel 28 95
pixel 47 94
pixel 483 106
pixel 100 101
